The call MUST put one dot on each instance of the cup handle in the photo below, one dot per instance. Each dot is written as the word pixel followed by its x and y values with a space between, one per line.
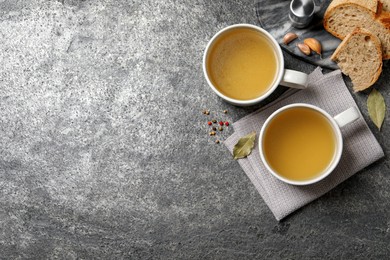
pixel 294 79
pixel 348 116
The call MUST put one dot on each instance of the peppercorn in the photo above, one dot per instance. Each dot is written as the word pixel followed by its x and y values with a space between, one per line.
pixel 220 128
pixel 212 133
pixel 214 128
pixel 227 123
pixel 225 111
pixel 217 141
pixel 214 121
pixel 209 123
pixel 220 123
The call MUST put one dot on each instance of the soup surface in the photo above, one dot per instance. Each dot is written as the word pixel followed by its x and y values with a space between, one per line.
pixel 299 143
pixel 242 64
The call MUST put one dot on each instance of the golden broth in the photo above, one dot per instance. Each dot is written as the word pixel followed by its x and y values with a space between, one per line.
pixel 299 143
pixel 242 64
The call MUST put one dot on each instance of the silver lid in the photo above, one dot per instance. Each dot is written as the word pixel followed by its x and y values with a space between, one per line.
pixel 301 12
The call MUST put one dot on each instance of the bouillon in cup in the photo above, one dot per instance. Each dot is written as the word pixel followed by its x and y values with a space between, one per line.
pixel 301 144
pixel 244 64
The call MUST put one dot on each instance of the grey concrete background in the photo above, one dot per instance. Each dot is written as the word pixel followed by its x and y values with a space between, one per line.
pixel 104 152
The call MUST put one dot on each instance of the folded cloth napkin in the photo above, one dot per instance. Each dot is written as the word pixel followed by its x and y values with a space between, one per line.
pixel 360 146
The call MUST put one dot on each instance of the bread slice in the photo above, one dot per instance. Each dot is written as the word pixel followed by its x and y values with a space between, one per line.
pixel 343 16
pixel 371 5
pixel 386 5
pixel 359 56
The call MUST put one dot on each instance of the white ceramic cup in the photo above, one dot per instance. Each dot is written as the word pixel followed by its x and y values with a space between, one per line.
pixel 285 77
pixel 341 120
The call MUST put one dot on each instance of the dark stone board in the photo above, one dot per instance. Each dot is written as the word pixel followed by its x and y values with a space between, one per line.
pixel 273 16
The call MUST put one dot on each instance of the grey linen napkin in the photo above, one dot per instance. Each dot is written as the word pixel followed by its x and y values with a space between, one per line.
pixel 360 146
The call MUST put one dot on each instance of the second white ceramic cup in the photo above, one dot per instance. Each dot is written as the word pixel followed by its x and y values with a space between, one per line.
pixel 337 122
pixel 285 77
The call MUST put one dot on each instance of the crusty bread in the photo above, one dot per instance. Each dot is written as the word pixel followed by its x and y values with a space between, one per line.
pixel 371 5
pixel 343 16
pixel 386 5
pixel 359 56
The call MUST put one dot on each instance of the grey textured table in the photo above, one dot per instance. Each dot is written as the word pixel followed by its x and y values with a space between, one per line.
pixel 105 153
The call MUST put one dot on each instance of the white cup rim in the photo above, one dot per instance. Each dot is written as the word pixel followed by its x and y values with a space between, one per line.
pixel 279 73
pixel 336 158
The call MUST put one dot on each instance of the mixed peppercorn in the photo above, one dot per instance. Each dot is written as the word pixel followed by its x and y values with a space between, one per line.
pixel 214 124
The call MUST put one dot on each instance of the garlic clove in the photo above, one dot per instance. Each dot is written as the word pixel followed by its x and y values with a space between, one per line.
pixel 289 37
pixel 304 48
pixel 313 44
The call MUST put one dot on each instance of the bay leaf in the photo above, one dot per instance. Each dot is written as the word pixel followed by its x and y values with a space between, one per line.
pixel 244 146
pixel 376 107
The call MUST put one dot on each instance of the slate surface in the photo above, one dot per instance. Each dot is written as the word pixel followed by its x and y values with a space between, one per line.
pixel 104 152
